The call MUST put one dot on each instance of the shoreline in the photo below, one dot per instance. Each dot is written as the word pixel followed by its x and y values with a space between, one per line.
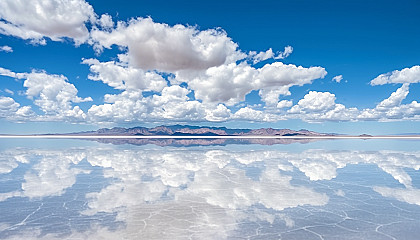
pixel 204 137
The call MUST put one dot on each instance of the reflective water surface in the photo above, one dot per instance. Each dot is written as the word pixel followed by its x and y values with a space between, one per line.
pixel 341 189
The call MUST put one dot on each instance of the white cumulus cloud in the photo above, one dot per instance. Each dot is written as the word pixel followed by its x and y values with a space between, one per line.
pixel 158 46
pixel 321 106
pixel 13 111
pixel 37 19
pixel 229 84
pixel 406 75
pixel 120 76
pixel 392 109
pixel 315 102
pixel 53 94
pixel 284 104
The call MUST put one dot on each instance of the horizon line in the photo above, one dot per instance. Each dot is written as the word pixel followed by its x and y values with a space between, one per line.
pixel 205 137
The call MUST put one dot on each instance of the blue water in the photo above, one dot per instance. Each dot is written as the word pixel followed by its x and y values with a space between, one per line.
pixel 78 189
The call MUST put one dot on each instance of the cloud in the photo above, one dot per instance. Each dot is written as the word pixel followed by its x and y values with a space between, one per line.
pixel 214 74
pixel 406 75
pixel 262 56
pixel 392 109
pixel 410 195
pixel 12 110
pixel 395 99
pixel 271 95
pixel 285 104
pixel 338 78
pixel 7 106
pixel 9 73
pixel 287 51
pixel 247 113
pixel 9 91
pixel 219 114
pixel 39 19
pixel 106 21
pixel 6 49
pixel 275 79
pixel 177 73
pixel 53 94
pixel 315 102
pixel 120 76
pixel 321 106
pixel 185 175
pixel 229 84
pixel 198 100
pixel 127 106
pixel 147 185
pixel 172 104
pixel 208 61
pixel 50 176
pixel 158 46
pixel 323 164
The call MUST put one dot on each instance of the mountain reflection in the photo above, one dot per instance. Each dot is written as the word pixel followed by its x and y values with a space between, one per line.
pixel 186 142
pixel 190 193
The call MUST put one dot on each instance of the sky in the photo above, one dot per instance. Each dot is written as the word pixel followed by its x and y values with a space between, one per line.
pixel 330 66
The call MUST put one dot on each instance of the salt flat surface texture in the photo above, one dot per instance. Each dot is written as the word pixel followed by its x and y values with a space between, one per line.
pixel 336 189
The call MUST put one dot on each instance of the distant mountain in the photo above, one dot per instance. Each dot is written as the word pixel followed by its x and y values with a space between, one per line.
pixel 186 130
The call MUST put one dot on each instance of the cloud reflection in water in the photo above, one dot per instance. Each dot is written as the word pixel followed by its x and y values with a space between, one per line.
pixel 209 192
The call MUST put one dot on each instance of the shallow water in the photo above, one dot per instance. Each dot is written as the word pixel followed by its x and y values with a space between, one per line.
pixel 77 189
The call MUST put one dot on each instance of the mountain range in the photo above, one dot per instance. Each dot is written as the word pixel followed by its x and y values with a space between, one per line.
pixel 186 130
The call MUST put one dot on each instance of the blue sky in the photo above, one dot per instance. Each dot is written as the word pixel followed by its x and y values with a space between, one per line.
pixel 79 65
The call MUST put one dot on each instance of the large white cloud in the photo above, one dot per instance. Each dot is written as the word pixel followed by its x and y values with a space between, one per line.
pixel 171 105
pixel 158 46
pixel 392 109
pixel 230 83
pixel 315 102
pixel 37 19
pixel 127 106
pixel 53 94
pixel 56 97
pixel 13 111
pixel 395 99
pixel 118 76
pixel 406 75
pixel 208 61
pixel 227 84
pixel 247 113
pixel 215 75
pixel 7 105
pixel 321 106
